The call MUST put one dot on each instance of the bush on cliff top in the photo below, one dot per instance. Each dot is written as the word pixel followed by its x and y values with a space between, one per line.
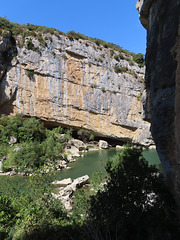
pixel 33 30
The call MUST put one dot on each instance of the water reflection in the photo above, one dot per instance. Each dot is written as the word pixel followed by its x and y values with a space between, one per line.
pixel 96 160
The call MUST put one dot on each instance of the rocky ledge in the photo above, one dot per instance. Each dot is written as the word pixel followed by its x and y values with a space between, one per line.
pixel 65 193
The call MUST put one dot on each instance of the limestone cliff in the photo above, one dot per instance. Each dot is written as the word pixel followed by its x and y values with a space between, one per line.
pixel 161 19
pixel 73 82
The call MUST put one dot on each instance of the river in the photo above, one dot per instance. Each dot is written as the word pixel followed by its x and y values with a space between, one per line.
pixel 91 162
pixel 96 160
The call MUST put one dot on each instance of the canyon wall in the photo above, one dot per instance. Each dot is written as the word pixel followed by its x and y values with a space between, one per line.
pixel 73 82
pixel 162 80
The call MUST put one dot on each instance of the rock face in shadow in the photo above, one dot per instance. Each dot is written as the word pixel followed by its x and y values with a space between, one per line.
pixel 162 80
pixel 74 83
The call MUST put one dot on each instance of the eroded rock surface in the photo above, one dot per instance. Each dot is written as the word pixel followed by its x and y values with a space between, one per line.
pixel 161 19
pixel 73 83
pixel 65 193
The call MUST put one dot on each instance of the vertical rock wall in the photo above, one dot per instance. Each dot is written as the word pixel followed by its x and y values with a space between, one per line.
pixel 74 83
pixel 161 19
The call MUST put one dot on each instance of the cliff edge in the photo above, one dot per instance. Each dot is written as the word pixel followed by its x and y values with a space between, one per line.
pixel 71 81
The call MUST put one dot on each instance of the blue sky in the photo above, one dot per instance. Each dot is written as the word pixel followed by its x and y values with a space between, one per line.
pixel 113 21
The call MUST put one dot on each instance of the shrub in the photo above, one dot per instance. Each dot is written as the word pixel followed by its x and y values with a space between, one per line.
pixel 29 156
pixel 85 135
pixel 64 57
pixel 93 85
pixel 30 73
pixel 7 216
pixel 116 57
pixel 124 204
pixel 111 52
pixel 139 59
pixel 99 60
pixel 139 97
pixel 103 90
pixel 29 45
pixel 117 69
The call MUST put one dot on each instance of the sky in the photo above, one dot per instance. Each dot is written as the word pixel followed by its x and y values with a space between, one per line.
pixel 115 21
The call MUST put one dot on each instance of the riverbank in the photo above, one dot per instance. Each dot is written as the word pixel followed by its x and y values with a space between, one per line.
pixel 74 150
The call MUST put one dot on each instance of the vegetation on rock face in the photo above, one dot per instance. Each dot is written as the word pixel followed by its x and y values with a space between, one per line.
pixel 30 73
pixel 139 59
pixel 27 30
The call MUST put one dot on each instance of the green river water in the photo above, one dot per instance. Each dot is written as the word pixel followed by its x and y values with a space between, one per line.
pixel 91 162
pixel 96 160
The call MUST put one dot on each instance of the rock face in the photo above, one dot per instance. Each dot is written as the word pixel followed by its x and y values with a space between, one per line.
pixel 65 193
pixel 162 107
pixel 103 144
pixel 74 83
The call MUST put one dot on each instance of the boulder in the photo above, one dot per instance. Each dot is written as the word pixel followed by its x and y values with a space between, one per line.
pixel 12 173
pixel 152 147
pixel 119 147
pixel 0 166
pixel 66 181
pixel 103 144
pixel 12 140
pixel 79 182
pixel 67 191
pixel 68 203
pixel 78 144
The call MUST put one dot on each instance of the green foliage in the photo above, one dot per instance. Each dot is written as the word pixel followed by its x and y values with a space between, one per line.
pixel 41 39
pixel 38 31
pixel 139 97
pixel 119 69
pixel 20 127
pixel 124 202
pixel 139 59
pixel 93 85
pixel 28 157
pixel 85 135
pixel 73 35
pixel 29 45
pixel 34 146
pixel 111 52
pixel 7 216
pixel 131 63
pixel 81 204
pixel 100 60
pixel 64 57
pixel 34 213
pixel 103 90
pixel 98 178
pixel 30 73
pixel 116 57
pixel 120 208
pixel 91 137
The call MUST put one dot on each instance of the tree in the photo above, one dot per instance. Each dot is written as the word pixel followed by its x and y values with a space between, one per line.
pixel 135 203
